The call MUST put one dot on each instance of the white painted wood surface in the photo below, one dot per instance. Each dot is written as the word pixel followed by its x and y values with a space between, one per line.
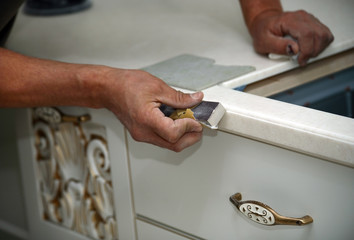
pixel 135 34
pixel 149 232
pixel 190 190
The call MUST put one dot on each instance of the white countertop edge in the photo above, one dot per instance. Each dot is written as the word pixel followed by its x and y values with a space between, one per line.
pixel 316 133
pixel 284 66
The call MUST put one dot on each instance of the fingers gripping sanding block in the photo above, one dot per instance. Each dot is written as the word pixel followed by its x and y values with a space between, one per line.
pixel 207 113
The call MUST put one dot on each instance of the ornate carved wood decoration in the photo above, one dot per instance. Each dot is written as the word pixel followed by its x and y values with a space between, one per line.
pixel 74 173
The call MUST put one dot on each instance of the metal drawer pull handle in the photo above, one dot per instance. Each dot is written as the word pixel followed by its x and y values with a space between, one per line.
pixel 263 214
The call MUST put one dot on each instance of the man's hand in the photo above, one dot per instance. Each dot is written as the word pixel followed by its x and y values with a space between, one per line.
pixel 268 25
pixel 310 36
pixel 135 96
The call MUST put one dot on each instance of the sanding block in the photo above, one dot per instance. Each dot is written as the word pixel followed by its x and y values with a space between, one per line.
pixel 207 113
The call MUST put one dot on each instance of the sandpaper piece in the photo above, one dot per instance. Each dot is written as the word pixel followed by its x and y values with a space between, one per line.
pixel 194 72
pixel 207 113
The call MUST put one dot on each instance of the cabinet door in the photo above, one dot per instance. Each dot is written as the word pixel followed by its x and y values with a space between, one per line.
pixel 190 190
pixel 75 172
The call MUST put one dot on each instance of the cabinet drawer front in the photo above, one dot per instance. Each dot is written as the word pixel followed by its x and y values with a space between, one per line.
pixel 149 232
pixel 190 190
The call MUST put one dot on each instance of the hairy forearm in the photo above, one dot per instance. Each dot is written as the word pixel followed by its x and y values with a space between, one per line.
pixel 29 82
pixel 253 8
pixel 134 96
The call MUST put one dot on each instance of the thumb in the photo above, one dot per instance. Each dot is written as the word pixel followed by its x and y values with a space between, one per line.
pixel 178 99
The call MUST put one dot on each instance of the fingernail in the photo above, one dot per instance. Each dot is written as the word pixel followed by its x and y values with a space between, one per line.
pixel 197 95
pixel 289 50
pixel 198 128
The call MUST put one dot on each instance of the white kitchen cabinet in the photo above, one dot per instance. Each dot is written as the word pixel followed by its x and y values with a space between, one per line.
pixel 187 193
pixel 297 160
pixel 190 191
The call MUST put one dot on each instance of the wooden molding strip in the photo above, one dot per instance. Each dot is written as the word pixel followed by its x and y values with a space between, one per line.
pixel 300 76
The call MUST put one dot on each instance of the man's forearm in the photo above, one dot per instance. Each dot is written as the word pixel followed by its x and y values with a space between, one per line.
pixel 134 96
pixel 253 8
pixel 27 81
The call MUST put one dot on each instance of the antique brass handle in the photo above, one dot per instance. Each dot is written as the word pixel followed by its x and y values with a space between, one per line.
pixel 263 214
